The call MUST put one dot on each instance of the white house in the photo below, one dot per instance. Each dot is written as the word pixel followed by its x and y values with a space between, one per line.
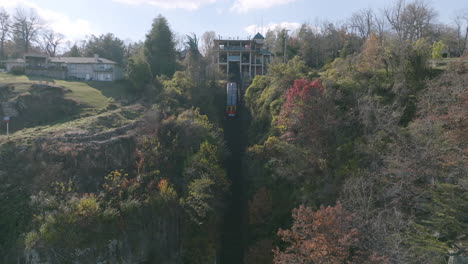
pixel 71 68
pixel 13 63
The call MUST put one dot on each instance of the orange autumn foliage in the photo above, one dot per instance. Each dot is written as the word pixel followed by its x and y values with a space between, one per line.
pixel 322 237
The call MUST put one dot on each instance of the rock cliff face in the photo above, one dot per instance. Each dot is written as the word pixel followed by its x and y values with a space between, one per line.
pixel 155 242
pixel 35 104
pixel 83 151
pixel 73 152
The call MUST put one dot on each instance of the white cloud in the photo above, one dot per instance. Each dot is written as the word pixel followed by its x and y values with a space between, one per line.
pixel 219 11
pixel 168 4
pixel 243 6
pixel 253 29
pixel 73 29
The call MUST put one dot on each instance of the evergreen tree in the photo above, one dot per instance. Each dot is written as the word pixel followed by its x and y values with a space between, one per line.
pixel 5 24
pixel 160 48
pixel 107 46
pixel 193 60
pixel 73 52
pixel 139 73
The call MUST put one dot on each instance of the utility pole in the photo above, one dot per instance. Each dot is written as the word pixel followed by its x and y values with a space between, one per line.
pixel 285 44
pixel 6 119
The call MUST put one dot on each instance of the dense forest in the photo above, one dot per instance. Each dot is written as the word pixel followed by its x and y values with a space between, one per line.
pixel 351 150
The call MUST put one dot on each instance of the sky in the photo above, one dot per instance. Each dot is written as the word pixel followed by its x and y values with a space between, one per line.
pixel 131 19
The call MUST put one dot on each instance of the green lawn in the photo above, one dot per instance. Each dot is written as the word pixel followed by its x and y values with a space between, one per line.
pixel 93 124
pixel 441 64
pixel 91 94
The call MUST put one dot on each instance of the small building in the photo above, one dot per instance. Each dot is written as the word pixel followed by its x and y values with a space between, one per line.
pixel 10 64
pixel 36 60
pixel 248 57
pixel 70 68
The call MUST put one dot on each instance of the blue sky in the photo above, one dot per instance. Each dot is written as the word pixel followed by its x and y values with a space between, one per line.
pixel 131 19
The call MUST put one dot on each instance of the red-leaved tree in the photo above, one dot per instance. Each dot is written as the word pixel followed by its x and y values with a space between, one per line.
pixel 305 112
pixel 322 237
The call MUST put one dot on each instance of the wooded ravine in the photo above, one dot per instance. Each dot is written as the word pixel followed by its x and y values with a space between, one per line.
pixel 351 148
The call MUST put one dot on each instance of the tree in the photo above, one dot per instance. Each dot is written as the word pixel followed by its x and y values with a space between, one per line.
pixel 26 28
pixel 371 55
pixel 200 199
pixel 130 49
pixel 322 237
pixel 270 39
pixel 208 43
pixel 410 21
pixel 207 182
pixel 192 46
pixel 208 51
pixel 305 114
pixel 437 49
pixel 160 48
pixel 5 24
pixel 275 41
pixel 77 49
pixel 307 49
pixel 363 22
pixel 50 41
pixel 107 46
pixel 461 22
pixel 260 252
pixel 139 73
pixel 260 207
pixel 319 44
pixel 193 60
pixel 74 51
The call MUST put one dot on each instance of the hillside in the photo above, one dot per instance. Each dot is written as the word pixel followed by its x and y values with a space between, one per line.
pixel 34 101
pixel 75 145
pixel 56 128
pixel 360 162
pixel 340 142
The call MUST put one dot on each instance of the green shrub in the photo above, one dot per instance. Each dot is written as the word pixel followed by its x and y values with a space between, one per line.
pixel 17 70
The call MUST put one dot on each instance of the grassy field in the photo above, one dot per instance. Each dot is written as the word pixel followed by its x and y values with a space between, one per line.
pixel 94 99
pixel 89 125
pixel 91 94
pixel 441 64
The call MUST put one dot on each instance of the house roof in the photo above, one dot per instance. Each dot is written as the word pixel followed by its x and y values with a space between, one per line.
pixel 80 60
pixel 14 60
pixel 35 55
pixel 259 36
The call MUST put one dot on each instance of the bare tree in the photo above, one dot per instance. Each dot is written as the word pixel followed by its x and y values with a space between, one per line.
pixel 363 22
pixel 179 40
pixel 50 41
pixel 26 28
pixel 5 24
pixel 419 18
pixel 394 17
pixel 380 26
pixel 410 21
pixel 208 42
pixel 461 22
pixel 334 37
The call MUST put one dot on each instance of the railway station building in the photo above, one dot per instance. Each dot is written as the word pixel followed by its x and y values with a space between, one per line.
pixel 246 57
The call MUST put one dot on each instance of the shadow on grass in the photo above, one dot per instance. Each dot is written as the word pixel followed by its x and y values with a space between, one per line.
pixel 120 90
pixel 41 79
